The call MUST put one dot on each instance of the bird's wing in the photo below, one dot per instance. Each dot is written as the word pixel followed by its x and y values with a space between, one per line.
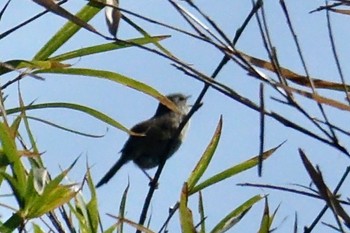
pixel 134 141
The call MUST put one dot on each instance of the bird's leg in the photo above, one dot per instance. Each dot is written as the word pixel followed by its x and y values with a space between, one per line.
pixel 151 181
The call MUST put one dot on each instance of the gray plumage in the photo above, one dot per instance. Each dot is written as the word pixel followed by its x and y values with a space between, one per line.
pixel 149 150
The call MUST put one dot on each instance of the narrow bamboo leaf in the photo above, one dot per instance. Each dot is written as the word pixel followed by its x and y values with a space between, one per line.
pixel 324 191
pixel 61 176
pixel 292 76
pixel 206 158
pixel 118 78
pixel 51 200
pixel 67 31
pixel 3 164
pixel 145 34
pixel 137 226
pixel 37 229
pixel 8 143
pixel 18 191
pixel 272 217
pixel 30 197
pixel 92 205
pixel 122 207
pixel 10 151
pixel 295 227
pixel 236 215
pixel 339 11
pixel 265 220
pixel 318 98
pixel 58 10
pixel 93 219
pixel 111 229
pixel 92 112
pixel 64 128
pixel 186 219
pixel 12 223
pixel 201 213
pixel 15 124
pixel 35 162
pixel 105 47
pixel 20 64
pixel 53 196
pixel 79 211
pixel 233 170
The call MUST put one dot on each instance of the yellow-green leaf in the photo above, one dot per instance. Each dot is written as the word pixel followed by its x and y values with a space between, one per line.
pixel 186 218
pixel 236 215
pixel 92 112
pixel 106 47
pixel 67 31
pixel 233 170
pixel 118 78
pixel 206 158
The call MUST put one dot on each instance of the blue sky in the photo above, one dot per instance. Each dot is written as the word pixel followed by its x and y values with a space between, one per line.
pixel 240 138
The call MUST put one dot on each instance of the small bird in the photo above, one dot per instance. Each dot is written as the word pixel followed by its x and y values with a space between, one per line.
pixel 149 150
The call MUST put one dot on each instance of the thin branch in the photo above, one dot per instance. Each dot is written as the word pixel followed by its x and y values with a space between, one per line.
pixel 291 99
pixel 262 129
pixel 211 22
pixel 189 18
pixel 324 209
pixel 4 9
pixel 8 32
pixel 284 189
pixel 335 54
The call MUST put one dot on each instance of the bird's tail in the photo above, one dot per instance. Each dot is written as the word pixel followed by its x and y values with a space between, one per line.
pixel 112 171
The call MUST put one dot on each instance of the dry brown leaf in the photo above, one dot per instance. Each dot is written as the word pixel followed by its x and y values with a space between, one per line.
pixel 317 98
pixel 292 76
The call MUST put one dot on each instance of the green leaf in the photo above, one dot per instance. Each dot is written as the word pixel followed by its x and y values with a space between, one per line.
pixel 10 150
pixel 15 124
pixel 122 208
pixel 233 170
pixel 32 65
pixel 12 223
pixel 67 31
pixel 37 229
pixel 30 195
pixel 186 218
pixel 18 181
pixel 201 212
pixel 236 215
pixel 203 163
pixel 58 10
pixel 92 206
pixel 107 47
pixel 3 165
pixel 35 162
pixel 53 196
pixel 64 128
pixel 115 77
pixel 265 220
pixel 146 35
pixel 80 212
pixel 92 112
pixel 111 229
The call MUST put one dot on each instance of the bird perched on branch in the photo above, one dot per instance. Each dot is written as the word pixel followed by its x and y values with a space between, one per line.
pixel 158 132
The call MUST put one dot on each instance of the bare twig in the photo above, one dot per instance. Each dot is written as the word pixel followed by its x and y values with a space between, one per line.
pixel 262 128
pixel 6 33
